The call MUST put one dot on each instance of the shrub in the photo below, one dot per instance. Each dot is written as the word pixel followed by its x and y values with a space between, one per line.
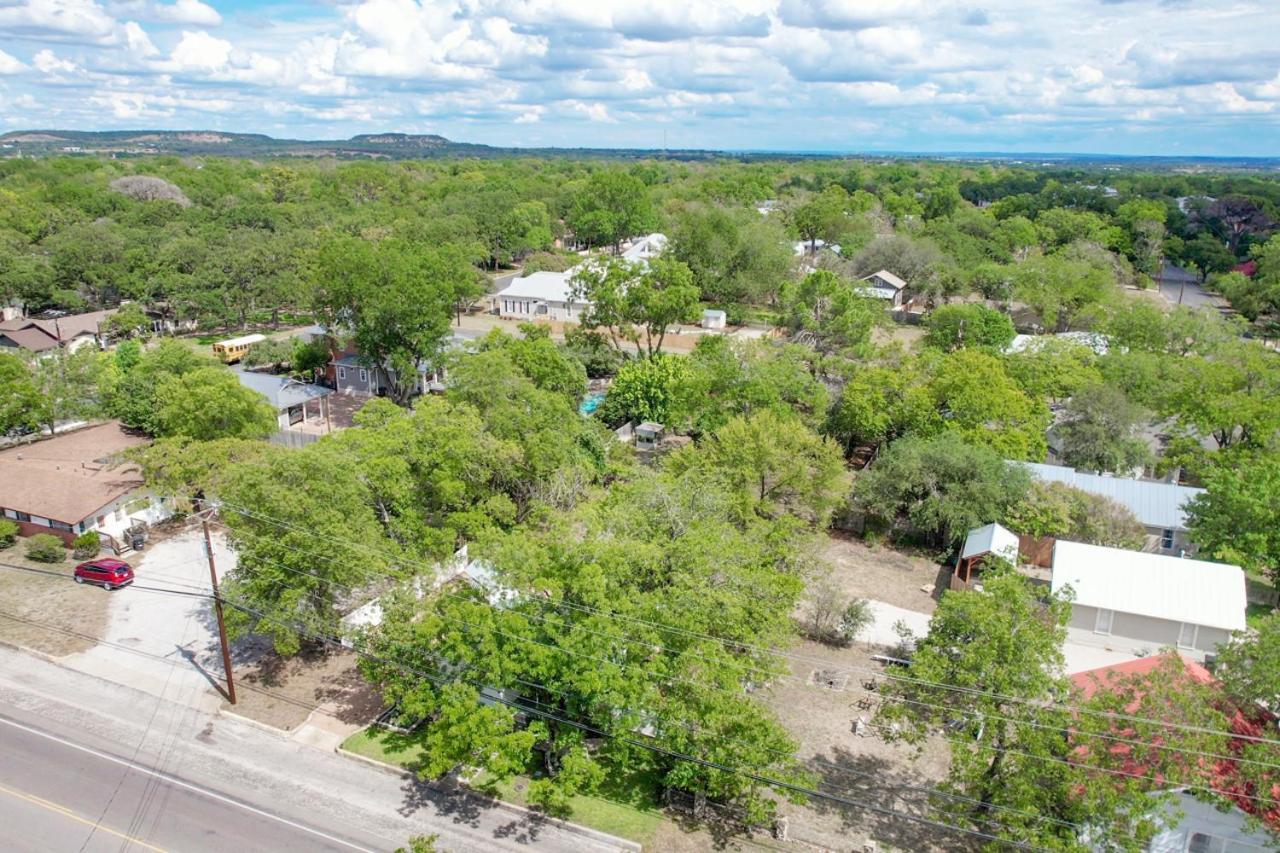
pixel 829 621
pixel 46 548
pixel 8 532
pixel 86 545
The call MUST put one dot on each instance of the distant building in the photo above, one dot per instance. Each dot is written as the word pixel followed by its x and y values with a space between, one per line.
pixel 1150 600
pixel 1160 507
pixel 541 296
pixel 297 404
pixel 713 318
pixel 43 335
pixel 885 285
pixel 67 485
pixel 549 295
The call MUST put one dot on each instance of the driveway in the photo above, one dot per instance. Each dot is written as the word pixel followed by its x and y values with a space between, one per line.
pixel 165 616
pixel 881 633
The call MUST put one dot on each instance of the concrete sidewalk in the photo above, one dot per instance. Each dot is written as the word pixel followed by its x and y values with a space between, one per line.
pixel 265 770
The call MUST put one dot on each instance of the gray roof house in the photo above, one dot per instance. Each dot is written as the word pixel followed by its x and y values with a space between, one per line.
pixel 299 405
pixel 884 285
pixel 1159 506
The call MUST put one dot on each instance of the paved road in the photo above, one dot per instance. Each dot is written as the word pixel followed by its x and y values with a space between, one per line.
pixel 294 790
pixel 57 795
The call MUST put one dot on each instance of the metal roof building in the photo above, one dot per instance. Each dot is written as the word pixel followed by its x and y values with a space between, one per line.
pixel 1159 587
pixel 1156 504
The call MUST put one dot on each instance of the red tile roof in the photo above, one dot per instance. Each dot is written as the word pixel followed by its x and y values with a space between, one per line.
pixel 1091 681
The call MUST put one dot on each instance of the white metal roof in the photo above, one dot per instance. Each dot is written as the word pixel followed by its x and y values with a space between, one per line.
pixel 1095 341
pixel 1155 503
pixel 888 278
pixel 991 539
pixel 1172 588
pixel 243 340
pixel 646 247
pixel 547 286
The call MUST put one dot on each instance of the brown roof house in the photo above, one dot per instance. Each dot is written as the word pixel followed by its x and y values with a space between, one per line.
pixel 37 336
pixel 67 484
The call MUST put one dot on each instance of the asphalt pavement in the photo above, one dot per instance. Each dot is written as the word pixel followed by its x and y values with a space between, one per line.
pixel 152 772
pixel 57 795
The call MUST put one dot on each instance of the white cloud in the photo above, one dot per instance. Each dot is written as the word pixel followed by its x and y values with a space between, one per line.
pixel 77 19
pixel 186 12
pixel 137 40
pixel 199 50
pixel 9 64
pixel 50 63
pixel 761 73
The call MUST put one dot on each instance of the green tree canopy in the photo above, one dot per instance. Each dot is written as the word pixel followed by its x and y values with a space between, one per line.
pixel 210 403
pixel 968 325
pixel 940 487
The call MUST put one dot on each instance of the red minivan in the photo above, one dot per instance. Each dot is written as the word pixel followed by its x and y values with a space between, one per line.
pixel 110 573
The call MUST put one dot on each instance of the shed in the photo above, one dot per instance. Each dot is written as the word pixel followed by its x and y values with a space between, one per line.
pixel 1150 600
pixel 991 539
pixel 714 319
pixel 648 435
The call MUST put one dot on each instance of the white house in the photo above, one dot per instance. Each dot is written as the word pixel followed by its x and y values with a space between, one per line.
pixel 884 285
pixel 1159 506
pixel 541 296
pixel 646 247
pixel 548 295
pixel 1193 826
pixel 1141 600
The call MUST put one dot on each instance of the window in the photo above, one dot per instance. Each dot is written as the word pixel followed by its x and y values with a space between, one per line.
pixel 22 516
pixel 1187 634
pixel 1202 842
pixel 342 373
pixel 364 376
pixel 60 525
pixel 1102 622
pixel 1166 539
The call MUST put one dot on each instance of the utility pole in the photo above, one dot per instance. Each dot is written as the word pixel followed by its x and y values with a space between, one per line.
pixel 217 607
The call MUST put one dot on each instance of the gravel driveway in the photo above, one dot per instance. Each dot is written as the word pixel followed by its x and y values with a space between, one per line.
pixel 161 620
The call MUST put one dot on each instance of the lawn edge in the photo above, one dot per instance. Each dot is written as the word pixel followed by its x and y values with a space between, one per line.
pixel 568 826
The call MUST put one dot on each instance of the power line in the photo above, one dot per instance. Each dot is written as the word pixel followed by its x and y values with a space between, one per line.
pixel 788 655
pixel 774 783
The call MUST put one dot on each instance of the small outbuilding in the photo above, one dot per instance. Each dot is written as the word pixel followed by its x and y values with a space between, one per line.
pixel 714 319
pixel 648 436
pixel 992 540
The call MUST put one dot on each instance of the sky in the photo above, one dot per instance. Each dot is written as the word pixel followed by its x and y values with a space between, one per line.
pixel 1153 77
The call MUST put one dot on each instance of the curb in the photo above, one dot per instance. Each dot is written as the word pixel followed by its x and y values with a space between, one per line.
pixel 240 718
pixel 36 653
pixel 466 790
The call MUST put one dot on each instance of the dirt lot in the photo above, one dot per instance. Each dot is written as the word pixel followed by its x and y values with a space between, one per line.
pixel 883 574
pixel 283 692
pixel 64 616
pixel 856 767
pixel 897 333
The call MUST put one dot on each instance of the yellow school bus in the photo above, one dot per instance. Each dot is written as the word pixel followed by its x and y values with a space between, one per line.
pixel 234 349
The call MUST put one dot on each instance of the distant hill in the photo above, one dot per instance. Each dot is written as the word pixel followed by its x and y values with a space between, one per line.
pixel 411 146
pixel 390 146
pixel 151 142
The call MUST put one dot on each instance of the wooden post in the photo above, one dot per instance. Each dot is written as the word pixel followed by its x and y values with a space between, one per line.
pixel 217 607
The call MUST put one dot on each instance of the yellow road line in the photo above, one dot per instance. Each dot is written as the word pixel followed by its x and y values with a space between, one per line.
pixel 68 813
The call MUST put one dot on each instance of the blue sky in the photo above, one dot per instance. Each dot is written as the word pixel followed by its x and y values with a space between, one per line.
pixel 1166 77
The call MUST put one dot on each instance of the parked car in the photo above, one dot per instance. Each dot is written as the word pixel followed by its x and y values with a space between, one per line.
pixel 110 573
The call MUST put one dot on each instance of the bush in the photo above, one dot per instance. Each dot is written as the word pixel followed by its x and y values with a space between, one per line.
pixel 46 548
pixel 86 545
pixel 830 622
pixel 8 532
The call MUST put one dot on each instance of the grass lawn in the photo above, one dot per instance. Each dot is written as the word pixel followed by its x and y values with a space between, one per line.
pixel 625 805
pixel 1256 612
